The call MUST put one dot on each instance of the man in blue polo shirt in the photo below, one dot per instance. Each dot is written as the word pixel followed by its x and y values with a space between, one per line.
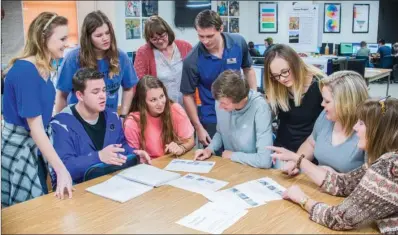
pixel 215 53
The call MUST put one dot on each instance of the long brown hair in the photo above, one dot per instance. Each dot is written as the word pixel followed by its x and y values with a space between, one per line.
pixel 40 30
pixel 277 94
pixel 139 105
pixel 381 126
pixel 87 55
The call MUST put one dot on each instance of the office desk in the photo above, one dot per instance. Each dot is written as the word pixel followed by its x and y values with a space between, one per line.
pixel 373 74
pixel 158 210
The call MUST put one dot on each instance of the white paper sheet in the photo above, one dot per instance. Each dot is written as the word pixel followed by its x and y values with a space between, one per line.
pixel 212 218
pixel 190 166
pixel 119 189
pixel 149 175
pixel 250 194
pixel 197 183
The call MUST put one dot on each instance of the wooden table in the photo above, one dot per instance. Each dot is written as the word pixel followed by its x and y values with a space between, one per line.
pixel 373 74
pixel 158 210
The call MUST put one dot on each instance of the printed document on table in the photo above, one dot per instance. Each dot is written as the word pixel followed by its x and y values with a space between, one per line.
pixel 197 183
pixel 190 166
pixel 119 189
pixel 212 218
pixel 250 194
pixel 149 175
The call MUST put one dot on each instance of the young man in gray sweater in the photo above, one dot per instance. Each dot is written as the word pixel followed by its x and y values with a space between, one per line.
pixel 243 123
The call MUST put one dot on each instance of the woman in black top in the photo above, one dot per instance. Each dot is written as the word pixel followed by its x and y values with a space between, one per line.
pixel 293 93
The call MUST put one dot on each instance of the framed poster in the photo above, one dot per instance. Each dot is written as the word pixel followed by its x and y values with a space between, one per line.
pixel 268 17
pixel 332 18
pixel 360 18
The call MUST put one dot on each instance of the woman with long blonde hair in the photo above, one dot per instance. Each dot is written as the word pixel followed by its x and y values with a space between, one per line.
pixel 98 50
pixel 28 104
pixel 333 141
pixel 292 90
pixel 371 189
pixel 156 125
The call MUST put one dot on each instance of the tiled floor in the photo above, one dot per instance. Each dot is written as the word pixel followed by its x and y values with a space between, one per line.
pixel 379 90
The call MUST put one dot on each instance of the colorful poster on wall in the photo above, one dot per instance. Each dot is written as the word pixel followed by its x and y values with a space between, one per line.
pixel 234 25
pixel 225 23
pixel 133 29
pixel 132 8
pixel 360 20
pixel 149 8
pixel 304 29
pixel 234 8
pixel 332 18
pixel 268 17
pixel 143 27
pixel 222 8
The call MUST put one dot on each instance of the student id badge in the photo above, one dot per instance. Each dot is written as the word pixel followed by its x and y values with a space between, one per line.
pixel 231 61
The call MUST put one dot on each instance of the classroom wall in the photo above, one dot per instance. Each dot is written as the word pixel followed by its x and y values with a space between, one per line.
pixel 248 22
pixel 12 32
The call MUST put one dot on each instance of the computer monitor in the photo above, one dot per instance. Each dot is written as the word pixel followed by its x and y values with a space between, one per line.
pixel 388 44
pixel 373 47
pixel 260 48
pixel 346 49
pixel 355 47
pixel 322 49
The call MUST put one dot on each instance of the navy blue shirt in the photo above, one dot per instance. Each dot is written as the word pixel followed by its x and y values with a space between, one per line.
pixel 201 69
pixel 27 95
pixel 384 51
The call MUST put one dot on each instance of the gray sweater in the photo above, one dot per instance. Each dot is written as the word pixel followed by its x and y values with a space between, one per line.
pixel 245 132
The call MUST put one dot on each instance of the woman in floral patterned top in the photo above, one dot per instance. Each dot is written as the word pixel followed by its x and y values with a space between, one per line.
pixel 371 190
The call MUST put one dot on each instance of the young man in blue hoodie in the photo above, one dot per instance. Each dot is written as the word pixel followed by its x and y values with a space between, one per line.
pixel 88 133
pixel 243 123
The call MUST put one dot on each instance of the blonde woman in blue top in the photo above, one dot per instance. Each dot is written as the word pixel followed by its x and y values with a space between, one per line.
pixel 28 104
pixel 98 50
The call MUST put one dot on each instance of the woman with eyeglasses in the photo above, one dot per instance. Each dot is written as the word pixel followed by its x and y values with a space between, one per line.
pixel 333 141
pixel 292 91
pixel 162 56
pixel 98 50
pixel 371 190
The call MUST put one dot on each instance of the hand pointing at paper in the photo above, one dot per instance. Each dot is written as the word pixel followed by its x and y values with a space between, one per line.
pixel 202 154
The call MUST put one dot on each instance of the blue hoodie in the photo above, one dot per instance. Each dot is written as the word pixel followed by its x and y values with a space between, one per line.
pixel 246 132
pixel 74 146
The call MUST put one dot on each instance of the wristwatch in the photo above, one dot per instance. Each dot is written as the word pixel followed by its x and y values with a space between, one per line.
pixel 303 201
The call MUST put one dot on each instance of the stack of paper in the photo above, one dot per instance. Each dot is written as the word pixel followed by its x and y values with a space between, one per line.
pixel 213 218
pixel 190 166
pixel 197 184
pixel 132 182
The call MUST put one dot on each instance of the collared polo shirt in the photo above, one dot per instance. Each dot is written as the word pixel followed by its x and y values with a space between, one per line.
pixel 201 69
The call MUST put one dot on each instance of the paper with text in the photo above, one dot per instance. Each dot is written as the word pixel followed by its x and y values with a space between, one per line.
pixel 149 175
pixel 197 183
pixel 190 166
pixel 212 218
pixel 119 189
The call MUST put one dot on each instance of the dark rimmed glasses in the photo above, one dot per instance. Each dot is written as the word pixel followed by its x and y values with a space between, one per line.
pixel 284 73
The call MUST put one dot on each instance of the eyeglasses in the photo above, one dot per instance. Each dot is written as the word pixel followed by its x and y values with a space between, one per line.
pixel 383 105
pixel 285 74
pixel 157 39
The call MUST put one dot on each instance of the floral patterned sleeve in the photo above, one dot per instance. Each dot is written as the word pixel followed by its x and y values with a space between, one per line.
pixel 342 184
pixel 373 199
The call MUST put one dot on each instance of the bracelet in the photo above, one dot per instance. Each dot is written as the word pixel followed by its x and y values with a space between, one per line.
pixel 299 161
pixel 184 150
